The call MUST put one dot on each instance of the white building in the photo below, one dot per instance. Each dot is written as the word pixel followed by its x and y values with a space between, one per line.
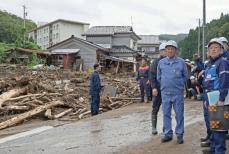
pixel 57 31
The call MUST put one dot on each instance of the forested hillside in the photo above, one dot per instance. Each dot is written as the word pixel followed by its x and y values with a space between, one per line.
pixel 216 28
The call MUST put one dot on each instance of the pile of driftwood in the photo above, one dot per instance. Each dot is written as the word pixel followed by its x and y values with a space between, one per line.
pixel 56 94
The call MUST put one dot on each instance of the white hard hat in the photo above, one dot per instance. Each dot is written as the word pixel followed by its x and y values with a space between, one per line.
pixel 215 40
pixel 223 39
pixel 192 77
pixel 162 46
pixel 187 60
pixel 171 43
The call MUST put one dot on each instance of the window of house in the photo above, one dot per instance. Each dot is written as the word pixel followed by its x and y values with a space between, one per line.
pixel 57 26
pixel 57 35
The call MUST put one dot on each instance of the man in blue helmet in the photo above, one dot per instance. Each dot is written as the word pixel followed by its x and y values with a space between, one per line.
pixel 216 77
pixel 156 88
pixel 172 74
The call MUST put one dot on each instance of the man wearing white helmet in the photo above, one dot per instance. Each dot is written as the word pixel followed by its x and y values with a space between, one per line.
pixel 156 88
pixel 226 47
pixel 172 74
pixel 225 55
pixel 216 79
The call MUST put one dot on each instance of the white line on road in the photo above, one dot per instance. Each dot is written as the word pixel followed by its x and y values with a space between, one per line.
pixel 24 134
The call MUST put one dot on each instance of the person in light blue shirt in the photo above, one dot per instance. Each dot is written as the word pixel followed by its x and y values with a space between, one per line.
pixel 172 74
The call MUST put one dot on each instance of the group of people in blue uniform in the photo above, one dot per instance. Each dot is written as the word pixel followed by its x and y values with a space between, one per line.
pixel 164 81
pixel 216 77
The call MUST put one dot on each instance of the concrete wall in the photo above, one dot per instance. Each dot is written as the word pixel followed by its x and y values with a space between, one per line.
pixel 57 32
pixel 43 37
pixel 68 29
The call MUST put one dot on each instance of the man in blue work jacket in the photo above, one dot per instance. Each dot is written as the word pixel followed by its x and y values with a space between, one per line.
pixel 95 89
pixel 225 55
pixel 156 88
pixel 172 74
pixel 216 77
pixel 143 79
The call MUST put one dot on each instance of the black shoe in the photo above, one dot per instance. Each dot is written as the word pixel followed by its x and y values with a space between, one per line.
pixel 203 139
pixel 166 139
pixel 180 140
pixel 207 151
pixel 205 144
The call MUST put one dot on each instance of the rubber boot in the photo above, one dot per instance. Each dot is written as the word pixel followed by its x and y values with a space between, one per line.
pixel 154 124
pixel 203 139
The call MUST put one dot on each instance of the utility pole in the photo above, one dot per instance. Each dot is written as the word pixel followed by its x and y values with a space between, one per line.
pixel 204 25
pixel 199 38
pixel 24 18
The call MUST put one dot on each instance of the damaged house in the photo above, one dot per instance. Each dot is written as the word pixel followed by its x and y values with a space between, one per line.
pixel 148 46
pixel 120 43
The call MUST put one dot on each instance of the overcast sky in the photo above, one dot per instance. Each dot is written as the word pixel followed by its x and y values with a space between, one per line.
pixel 148 16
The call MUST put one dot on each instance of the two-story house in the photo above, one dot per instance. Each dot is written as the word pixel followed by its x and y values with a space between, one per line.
pixel 121 42
pixel 149 46
pixel 57 31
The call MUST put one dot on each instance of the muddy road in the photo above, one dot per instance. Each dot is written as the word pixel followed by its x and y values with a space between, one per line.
pixel 125 130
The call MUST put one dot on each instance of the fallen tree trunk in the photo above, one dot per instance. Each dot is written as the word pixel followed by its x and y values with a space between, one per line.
pixel 26 115
pixel 122 98
pixel 32 95
pixel 9 94
pixel 62 113
pixel 16 108
pixel 83 114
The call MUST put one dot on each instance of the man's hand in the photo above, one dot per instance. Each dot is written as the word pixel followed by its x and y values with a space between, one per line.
pixel 148 82
pixel 220 103
pixel 155 92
